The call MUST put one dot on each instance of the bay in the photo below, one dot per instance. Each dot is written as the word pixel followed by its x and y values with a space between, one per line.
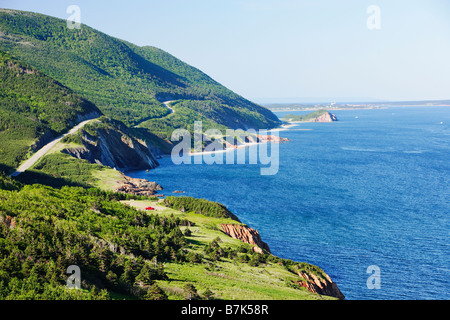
pixel 370 189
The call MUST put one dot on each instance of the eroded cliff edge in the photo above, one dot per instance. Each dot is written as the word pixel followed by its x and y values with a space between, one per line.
pixel 316 281
pixel 323 285
pixel 110 143
pixel 326 117
pixel 247 235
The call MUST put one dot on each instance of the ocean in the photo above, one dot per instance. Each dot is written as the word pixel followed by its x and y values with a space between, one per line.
pixel 372 189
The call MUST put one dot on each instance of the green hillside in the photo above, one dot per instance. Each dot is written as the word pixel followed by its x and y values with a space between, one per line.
pixel 126 82
pixel 305 117
pixel 61 211
pixel 124 252
pixel 33 105
pixel 45 230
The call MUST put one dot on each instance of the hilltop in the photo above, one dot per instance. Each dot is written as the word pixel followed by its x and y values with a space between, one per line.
pixel 126 82
pixel 316 116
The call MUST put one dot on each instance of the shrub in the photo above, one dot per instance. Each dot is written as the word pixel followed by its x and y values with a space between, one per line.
pixel 199 206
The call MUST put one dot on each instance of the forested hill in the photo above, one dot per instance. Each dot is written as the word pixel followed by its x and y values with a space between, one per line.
pixel 126 82
pixel 34 108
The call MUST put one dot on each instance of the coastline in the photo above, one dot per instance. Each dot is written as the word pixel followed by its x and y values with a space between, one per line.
pixel 226 149
pixel 260 139
pixel 288 126
pixel 327 108
pixel 316 282
pixel 384 106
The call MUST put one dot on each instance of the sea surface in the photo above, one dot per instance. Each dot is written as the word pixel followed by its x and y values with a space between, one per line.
pixel 372 189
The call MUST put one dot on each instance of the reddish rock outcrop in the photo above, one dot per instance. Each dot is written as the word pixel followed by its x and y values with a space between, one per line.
pixel 326 117
pixel 271 138
pixel 247 235
pixel 324 286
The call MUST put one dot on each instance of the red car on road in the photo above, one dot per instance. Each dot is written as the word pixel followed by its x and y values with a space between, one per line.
pixel 149 208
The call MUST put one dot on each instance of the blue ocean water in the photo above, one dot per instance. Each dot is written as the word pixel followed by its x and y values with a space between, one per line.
pixel 370 189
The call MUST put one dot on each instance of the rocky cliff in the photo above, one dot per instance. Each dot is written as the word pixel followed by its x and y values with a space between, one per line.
pixel 140 187
pixel 111 144
pixel 326 117
pixel 247 235
pixel 323 285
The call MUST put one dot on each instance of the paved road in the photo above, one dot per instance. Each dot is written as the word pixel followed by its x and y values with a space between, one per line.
pixel 41 152
pixel 167 105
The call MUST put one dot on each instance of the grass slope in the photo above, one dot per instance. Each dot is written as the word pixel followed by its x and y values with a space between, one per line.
pixel 245 276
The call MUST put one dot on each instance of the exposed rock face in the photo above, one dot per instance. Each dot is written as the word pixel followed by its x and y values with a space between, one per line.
pixel 140 187
pixel 247 235
pixel 271 138
pixel 320 285
pixel 326 117
pixel 267 138
pixel 87 116
pixel 114 148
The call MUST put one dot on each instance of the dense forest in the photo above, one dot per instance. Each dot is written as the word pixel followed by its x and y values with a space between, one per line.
pixel 31 105
pixel 118 248
pixel 199 206
pixel 122 252
pixel 126 82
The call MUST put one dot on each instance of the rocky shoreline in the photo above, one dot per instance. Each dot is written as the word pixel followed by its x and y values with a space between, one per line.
pixel 138 187
pixel 250 141
pixel 242 232
pixel 247 235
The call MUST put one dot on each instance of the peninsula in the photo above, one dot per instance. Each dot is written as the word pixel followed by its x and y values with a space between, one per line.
pixel 317 116
pixel 98 106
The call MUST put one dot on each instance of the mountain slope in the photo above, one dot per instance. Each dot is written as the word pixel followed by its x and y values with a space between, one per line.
pixel 127 82
pixel 34 109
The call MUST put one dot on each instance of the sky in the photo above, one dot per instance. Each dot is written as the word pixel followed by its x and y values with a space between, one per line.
pixel 288 50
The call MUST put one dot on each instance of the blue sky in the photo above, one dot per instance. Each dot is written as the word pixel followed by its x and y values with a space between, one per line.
pixel 288 49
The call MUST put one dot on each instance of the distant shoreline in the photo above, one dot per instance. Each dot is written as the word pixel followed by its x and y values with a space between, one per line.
pixel 267 138
pixel 314 109
pixel 385 106
pixel 226 149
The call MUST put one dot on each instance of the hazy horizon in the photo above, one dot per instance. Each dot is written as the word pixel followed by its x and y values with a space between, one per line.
pixel 294 100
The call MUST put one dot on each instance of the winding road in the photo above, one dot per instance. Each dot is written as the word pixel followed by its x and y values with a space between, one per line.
pixel 168 106
pixel 43 151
